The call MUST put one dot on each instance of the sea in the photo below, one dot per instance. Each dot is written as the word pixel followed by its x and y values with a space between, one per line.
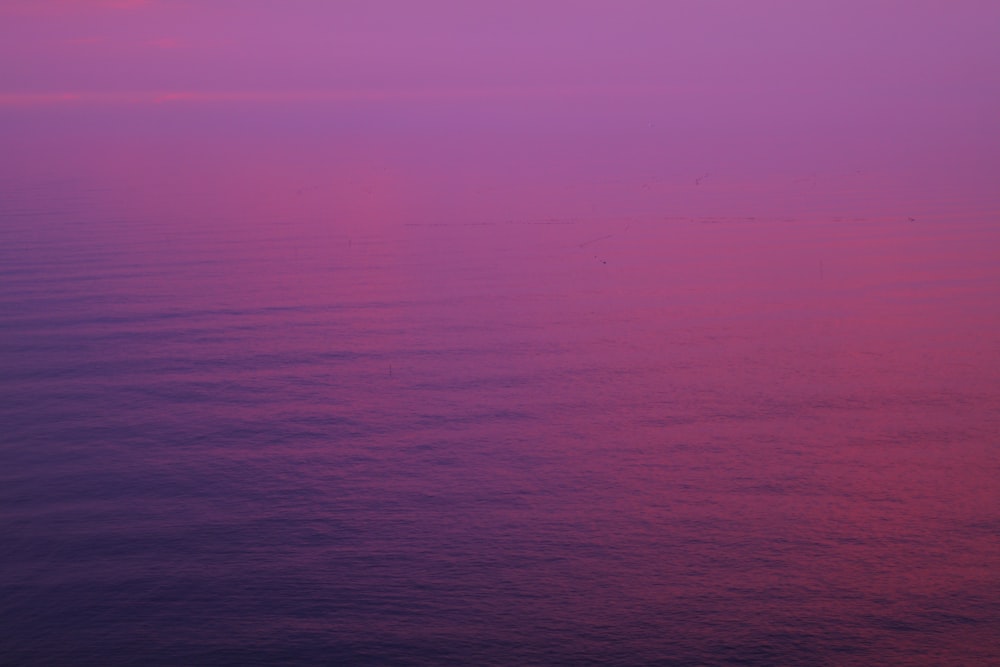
pixel 304 383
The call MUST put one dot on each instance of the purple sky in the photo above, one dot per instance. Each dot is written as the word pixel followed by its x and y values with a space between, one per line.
pixel 812 85
pixel 879 55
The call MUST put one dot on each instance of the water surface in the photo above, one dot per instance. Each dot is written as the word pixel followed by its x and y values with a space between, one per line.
pixel 302 385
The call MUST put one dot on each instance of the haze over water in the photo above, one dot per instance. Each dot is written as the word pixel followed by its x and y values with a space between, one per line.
pixel 543 334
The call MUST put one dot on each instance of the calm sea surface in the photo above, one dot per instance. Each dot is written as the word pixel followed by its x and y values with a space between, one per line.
pixel 294 390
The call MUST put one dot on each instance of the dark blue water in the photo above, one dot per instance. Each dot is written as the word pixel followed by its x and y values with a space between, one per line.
pixel 266 406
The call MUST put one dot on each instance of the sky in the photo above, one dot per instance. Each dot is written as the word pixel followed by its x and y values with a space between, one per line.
pixel 876 54
pixel 812 84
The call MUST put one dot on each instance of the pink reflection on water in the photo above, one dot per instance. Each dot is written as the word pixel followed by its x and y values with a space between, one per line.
pixel 616 366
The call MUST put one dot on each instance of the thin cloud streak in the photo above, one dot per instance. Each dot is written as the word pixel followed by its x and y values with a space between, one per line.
pixel 159 97
pixel 56 7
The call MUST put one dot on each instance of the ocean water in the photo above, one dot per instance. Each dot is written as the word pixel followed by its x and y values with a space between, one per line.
pixel 292 387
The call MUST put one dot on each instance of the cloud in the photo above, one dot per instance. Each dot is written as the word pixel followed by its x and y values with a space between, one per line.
pixel 107 43
pixel 104 4
pixel 57 7
pixel 166 43
pixel 87 41
pixel 320 96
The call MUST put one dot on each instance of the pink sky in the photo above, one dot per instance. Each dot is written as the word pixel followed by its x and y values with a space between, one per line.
pixel 810 85
pixel 852 53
